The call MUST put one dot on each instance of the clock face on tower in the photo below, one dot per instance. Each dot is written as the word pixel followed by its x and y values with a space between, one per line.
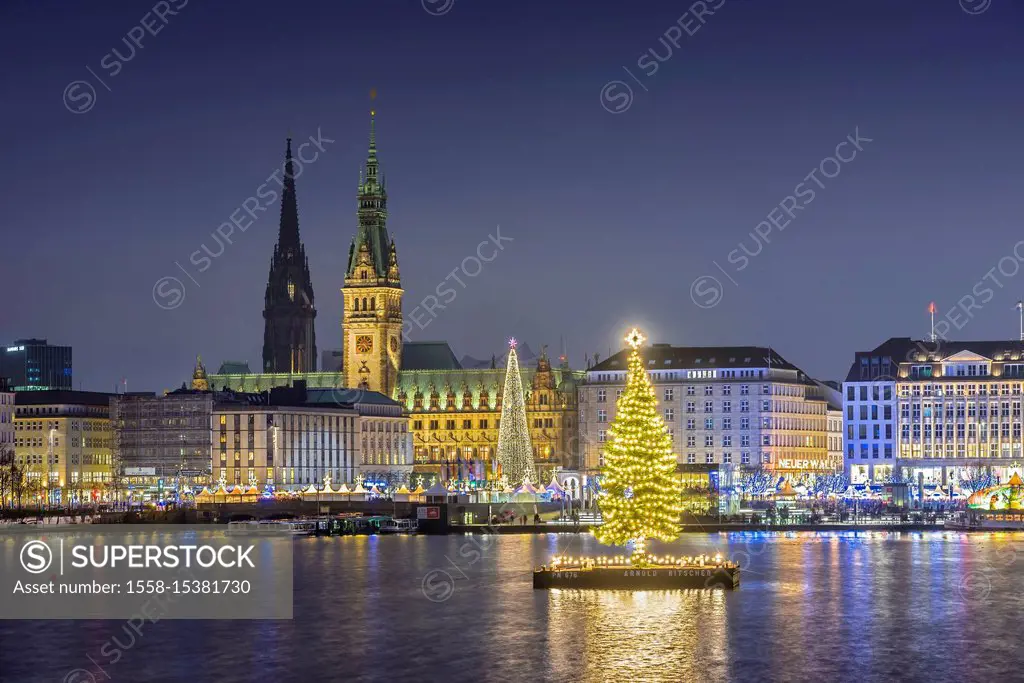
pixel 364 343
pixel 394 345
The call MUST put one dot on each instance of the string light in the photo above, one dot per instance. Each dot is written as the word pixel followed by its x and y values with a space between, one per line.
pixel 515 452
pixel 641 495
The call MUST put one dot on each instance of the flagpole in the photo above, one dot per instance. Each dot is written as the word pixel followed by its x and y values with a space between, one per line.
pixel 1020 307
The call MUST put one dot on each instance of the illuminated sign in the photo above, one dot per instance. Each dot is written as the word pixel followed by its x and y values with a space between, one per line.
pixel 12 349
pixel 701 374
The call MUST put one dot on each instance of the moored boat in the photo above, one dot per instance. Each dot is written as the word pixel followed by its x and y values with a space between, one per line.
pixel 652 574
pixel 400 526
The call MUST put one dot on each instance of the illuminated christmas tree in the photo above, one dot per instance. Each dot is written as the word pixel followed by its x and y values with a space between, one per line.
pixel 640 498
pixel 515 452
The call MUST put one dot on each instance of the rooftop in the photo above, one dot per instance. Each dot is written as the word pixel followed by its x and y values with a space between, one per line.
pixel 906 350
pixel 50 397
pixel 429 355
pixel 668 357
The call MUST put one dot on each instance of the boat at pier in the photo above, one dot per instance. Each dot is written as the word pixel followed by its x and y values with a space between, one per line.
pixel 400 526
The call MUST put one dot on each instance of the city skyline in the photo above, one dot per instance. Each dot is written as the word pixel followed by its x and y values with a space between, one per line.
pixel 688 176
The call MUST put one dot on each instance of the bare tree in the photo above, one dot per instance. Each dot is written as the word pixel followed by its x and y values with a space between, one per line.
pixel 8 469
pixel 976 477
pixel 899 475
pixel 756 481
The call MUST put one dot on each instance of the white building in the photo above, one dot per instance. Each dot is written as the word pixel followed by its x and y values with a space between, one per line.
pixel 292 437
pixel 723 406
pixel 935 409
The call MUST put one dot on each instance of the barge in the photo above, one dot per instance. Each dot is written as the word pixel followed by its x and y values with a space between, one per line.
pixel 626 575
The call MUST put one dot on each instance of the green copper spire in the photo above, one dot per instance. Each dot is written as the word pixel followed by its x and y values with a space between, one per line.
pixel 372 234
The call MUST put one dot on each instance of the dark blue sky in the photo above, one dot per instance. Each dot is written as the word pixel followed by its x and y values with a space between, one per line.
pixel 491 114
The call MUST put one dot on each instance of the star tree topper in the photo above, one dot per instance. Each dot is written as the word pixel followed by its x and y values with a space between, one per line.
pixel 635 339
pixel 513 342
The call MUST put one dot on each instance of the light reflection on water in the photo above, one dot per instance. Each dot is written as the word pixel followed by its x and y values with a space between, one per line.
pixel 811 606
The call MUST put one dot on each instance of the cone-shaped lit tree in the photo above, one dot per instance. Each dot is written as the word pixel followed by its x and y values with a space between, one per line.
pixel 641 494
pixel 515 452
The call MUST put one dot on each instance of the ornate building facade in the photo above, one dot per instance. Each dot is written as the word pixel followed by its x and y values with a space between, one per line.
pixel 289 335
pixel 452 413
pixel 455 418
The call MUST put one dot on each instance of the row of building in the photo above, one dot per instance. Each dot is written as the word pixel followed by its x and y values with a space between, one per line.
pixel 78 446
pixel 387 408
pixel 918 410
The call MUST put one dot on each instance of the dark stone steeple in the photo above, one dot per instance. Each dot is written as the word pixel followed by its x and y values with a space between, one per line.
pixel 289 337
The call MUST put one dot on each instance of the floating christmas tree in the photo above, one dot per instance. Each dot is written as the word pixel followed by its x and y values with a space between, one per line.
pixel 640 498
pixel 515 452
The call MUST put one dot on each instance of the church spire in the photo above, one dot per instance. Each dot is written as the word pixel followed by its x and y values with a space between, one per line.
pixel 371 155
pixel 288 235
pixel 289 336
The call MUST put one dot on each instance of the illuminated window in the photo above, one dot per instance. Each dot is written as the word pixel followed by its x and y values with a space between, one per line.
pixel 291 290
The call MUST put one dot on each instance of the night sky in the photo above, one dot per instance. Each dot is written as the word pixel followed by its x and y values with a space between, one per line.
pixel 497 113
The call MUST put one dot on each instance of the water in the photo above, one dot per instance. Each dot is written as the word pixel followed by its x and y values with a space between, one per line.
pixel 812 607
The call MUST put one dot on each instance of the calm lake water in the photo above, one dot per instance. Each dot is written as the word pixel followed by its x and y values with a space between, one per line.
pixel 812 607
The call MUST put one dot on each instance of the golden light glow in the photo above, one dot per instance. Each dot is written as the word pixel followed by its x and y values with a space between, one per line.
pixel 635 339
pixel 641 498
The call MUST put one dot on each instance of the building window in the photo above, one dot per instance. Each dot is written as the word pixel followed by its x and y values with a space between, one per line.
pixel 602 415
